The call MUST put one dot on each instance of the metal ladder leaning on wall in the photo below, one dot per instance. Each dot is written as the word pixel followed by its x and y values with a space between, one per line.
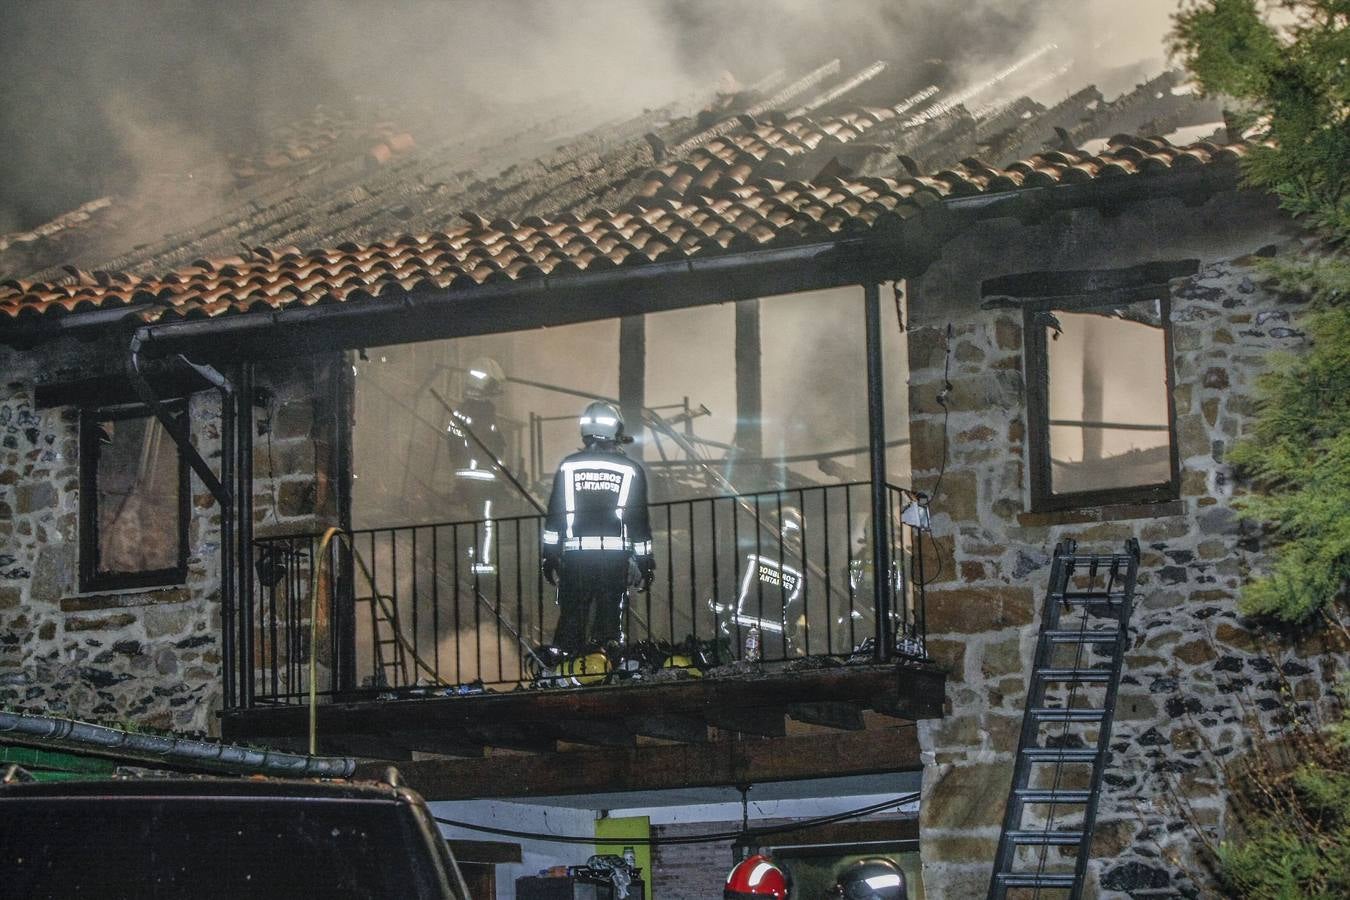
pixel 1086 617
pixel 391 660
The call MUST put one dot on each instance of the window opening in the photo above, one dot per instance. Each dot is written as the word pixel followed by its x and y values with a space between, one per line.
pixel 134 501
pixel 1100 405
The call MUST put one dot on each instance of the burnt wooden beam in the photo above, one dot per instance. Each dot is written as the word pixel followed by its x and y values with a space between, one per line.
pixel 909 691
pixel 1087 281
pixel 844 716
pixel 749 391
pixel 760 720
pixel 513 737
pixel 633 378
pixel 598 732
pixel 664 767
pixel 911 705
pixel 377 747
pixel 484 852
pixel 685 729
pixel 446 743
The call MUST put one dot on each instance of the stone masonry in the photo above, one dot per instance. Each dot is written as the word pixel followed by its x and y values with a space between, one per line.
pixel 147 657
pixel 1196 669
pixel 151 657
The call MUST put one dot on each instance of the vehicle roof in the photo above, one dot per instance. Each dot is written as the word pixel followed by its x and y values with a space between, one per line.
pixel 206 787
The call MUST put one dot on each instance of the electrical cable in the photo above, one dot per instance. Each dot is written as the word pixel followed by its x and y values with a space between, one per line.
pixel 946 432
pixel 710 838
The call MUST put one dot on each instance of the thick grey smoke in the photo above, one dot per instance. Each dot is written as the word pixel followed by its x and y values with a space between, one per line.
pixel 120 97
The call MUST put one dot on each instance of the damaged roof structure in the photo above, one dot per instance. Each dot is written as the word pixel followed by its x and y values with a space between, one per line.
pixel 620 197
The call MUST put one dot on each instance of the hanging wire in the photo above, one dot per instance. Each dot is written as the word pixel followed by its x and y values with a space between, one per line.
pixel 941 398
pixel 710 838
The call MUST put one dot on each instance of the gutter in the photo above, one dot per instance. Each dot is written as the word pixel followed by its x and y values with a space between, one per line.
pixel 919 239
pixel 614 292
pixel 229 759
pixel 902 252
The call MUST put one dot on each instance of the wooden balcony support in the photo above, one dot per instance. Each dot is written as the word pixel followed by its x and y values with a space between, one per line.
pixel 664 767
pixel 614 716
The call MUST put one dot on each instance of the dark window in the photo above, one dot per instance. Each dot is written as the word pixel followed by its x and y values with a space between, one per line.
pixel 133 502
pixel 1100 416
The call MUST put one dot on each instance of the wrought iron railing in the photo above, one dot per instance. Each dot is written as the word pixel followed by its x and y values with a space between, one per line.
pixel 462 606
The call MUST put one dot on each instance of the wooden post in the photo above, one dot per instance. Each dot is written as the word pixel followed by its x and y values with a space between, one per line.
pixel 876 442
pixel 749 386
pixel 633 378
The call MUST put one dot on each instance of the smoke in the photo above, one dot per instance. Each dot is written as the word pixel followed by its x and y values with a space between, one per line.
pixel 148 95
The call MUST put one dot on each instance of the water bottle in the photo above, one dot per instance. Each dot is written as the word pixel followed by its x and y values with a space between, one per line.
pixel 752 645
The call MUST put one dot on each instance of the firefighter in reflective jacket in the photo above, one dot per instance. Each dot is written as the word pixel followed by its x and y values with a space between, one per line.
pixel 477 484
pixel 770 593
pixel 597 540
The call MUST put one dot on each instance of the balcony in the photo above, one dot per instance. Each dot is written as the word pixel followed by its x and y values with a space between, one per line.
pixel 433 637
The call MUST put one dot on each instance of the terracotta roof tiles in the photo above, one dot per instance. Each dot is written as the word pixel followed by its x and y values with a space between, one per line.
pixel 678 214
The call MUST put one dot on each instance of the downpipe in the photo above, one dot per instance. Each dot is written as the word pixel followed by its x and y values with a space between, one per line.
pixel 220 488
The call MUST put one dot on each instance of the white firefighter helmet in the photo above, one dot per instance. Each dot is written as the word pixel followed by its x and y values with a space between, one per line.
pixel 600 421
pixel 484 377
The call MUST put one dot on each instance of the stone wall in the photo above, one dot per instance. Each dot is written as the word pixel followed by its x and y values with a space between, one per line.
pixel 296 485
pixel 689 871
pixel 146 656
pixel 1195 667
pixel 150 657
pixel 698 871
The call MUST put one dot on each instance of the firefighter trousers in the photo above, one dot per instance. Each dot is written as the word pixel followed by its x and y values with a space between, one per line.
pixel 591 589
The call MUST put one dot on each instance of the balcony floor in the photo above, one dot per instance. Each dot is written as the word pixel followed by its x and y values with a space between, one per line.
pixel 629 736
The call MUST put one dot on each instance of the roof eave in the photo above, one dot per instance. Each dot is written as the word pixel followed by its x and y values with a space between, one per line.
pixel 422 315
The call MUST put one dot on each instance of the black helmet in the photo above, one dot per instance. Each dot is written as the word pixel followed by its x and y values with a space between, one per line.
pixel 600 421
pixel 485 378
pixel 875 878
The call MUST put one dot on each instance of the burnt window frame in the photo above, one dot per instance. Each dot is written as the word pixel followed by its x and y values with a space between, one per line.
pixel 1036 365
pixel 91 579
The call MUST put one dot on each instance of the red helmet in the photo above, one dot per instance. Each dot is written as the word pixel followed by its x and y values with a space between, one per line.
pixel 756 877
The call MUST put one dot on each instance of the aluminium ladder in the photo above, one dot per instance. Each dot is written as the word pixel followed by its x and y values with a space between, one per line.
pixel 391 666
pixel 1063 750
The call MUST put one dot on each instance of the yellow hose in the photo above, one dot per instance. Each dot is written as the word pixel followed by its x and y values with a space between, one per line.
pixel 316 578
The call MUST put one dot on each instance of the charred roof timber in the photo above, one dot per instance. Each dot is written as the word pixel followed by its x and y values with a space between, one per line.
pixel 652 256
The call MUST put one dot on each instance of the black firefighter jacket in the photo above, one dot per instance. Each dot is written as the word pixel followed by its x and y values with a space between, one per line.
pixel 599 502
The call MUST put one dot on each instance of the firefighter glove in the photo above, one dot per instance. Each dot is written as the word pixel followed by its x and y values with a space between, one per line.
pixel 550 567
pixel 634 573
pixel 648 566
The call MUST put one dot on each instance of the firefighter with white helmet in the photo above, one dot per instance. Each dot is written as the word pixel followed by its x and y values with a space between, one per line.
pixel 477 482
pixel 597 540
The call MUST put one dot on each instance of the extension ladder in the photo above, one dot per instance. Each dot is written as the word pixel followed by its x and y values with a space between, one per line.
pixel 1063 750
pixel 391 658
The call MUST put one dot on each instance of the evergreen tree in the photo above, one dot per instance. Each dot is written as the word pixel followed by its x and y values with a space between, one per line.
pixel 1287 65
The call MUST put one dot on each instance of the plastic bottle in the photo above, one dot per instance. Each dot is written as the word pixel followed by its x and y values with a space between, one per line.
pixel 752 645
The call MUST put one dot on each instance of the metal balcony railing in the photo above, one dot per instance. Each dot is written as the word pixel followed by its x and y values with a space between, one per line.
pixel 458 607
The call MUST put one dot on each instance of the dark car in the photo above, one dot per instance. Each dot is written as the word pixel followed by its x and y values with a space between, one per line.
pixel 210 837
